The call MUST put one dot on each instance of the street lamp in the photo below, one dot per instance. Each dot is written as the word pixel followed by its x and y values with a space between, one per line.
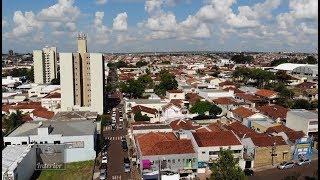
pixel 273 151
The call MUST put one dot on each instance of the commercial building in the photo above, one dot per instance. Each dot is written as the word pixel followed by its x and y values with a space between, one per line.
pixel 18 162
pixel 77 134
pixel 82 79
pixel 45 65
pixel 303 120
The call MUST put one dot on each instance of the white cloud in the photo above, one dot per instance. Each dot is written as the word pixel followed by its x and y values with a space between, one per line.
pixel 307 30
pixel 63 11
pixel 153 6
pixel 5 23
pixel 202 32
pixel 25 23
pixel 101 34
pixel 101 1
pixel 162 22
pixel 307 9
pixel 120 22
pixel 241 21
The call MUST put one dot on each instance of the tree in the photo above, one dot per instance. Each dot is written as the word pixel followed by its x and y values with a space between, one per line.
pixel 121 64
pixel 201 107
pixel 141 63
pixel 301 104
pixel 215 110
pixel 242 59
pixel 311 60
pixel 276 62
pixel 108 88
pixel 105 118
pixel 10 121
pixel 55 81
pixel 146 80
pixel 136 88
pixel 227 167
pixel 139 117
pixel 282 77
pixel 167 82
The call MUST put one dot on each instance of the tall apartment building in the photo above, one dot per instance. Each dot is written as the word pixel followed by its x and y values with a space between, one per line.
pixel 82 79
pixel 45 65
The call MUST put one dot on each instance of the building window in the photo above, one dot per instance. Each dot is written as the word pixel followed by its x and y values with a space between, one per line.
pixel 285 155
pixel 178 160
pixel 7 143
pixel 213 153
pixel 41 142
pixel 236 151
pixel 56 142
pixel 173 161
pixel 203 152
pixel 23 142
pixel 46 142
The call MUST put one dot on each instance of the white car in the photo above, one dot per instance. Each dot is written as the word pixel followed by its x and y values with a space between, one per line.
pixel 303 161
pixel 121 119
pixel 104 159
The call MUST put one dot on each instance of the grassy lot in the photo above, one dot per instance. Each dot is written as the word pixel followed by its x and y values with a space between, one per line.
pixel 78 170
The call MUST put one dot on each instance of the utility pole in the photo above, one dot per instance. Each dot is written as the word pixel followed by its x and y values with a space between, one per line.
pixel 273 151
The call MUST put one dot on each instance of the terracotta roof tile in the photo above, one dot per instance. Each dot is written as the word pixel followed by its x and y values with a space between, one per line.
pixel 242 131
pixel 265 93
pixel 277 129
pixel 226 83
pixel 181 125
pixel 268 141
pixel 223 138
pixel 273 111
pixel 243 112
pixel 249 97
pixel 53 95
pixel 225 100
pixel 163 143
pixel 294 135
pixel 43 112
pixel 26 117
pixel 135 109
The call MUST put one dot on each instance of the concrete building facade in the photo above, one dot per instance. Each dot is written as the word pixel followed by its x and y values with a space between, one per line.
pixel 45 65
pixel 82 79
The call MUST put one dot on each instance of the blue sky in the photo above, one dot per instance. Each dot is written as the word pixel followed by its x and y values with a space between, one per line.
pixel 161 25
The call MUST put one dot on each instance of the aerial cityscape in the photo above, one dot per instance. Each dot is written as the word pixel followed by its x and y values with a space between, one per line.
pixel 160 90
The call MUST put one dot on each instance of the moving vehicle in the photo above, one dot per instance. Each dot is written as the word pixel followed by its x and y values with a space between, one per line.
pixel 121 119
pixel 301 162
pixel 103 166
pixel 104 159
pixel 126 162
pixel 248 172
pixel 113 126
pixel 286 165
pixel 124 146
pixel 103 174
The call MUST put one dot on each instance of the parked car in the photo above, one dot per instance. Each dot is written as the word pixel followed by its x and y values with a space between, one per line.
pixel 123 139
pixel 121 119
pixel 103 174
pixel 104 159
pixel 113 126
pixel 286 165
pixel 301 162
pixel 248 172
pixel 120 126
pixel 126 162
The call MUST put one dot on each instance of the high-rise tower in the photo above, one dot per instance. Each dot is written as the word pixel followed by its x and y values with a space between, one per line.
pixel 45 65
pixel 82 79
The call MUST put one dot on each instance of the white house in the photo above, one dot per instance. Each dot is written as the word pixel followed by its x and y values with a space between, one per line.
pixel 18 162
pixel 172 111
pixel 51 101
pixel 150 103
pixel 79 136
pixel 245 116
pixel 302 120
pixel 210 94
pixel 42 90
pixel 175 94
pixel 152 113
pixel 208 144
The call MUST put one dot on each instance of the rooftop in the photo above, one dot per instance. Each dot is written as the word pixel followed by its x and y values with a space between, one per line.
pixel 223 138
pixel 12 155
pixel 151 126
pixel 304 114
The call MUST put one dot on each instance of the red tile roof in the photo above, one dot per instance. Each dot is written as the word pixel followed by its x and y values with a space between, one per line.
pixel 249 97
pixel 223 138
pixel 163 143
pixel 165 107
pixel 43 112
pixel 176 102
pixel 294 135
pixel 265 93
pixel 268 141
pixel 273 111
pixel 53 95
pixel 175 91
pixel 226 83
pixel 225 100
pixel 135 109
pixel 242 131
pixel 277 129
pixel 243 112
pixel 236 90
pixel 26 117
pixel 22 105
pixel 182 125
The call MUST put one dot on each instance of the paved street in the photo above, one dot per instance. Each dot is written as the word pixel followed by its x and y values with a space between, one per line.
pixel 115 167
pixel 276 174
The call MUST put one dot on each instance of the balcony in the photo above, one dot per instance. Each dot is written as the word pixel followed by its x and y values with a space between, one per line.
pixel 248 156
